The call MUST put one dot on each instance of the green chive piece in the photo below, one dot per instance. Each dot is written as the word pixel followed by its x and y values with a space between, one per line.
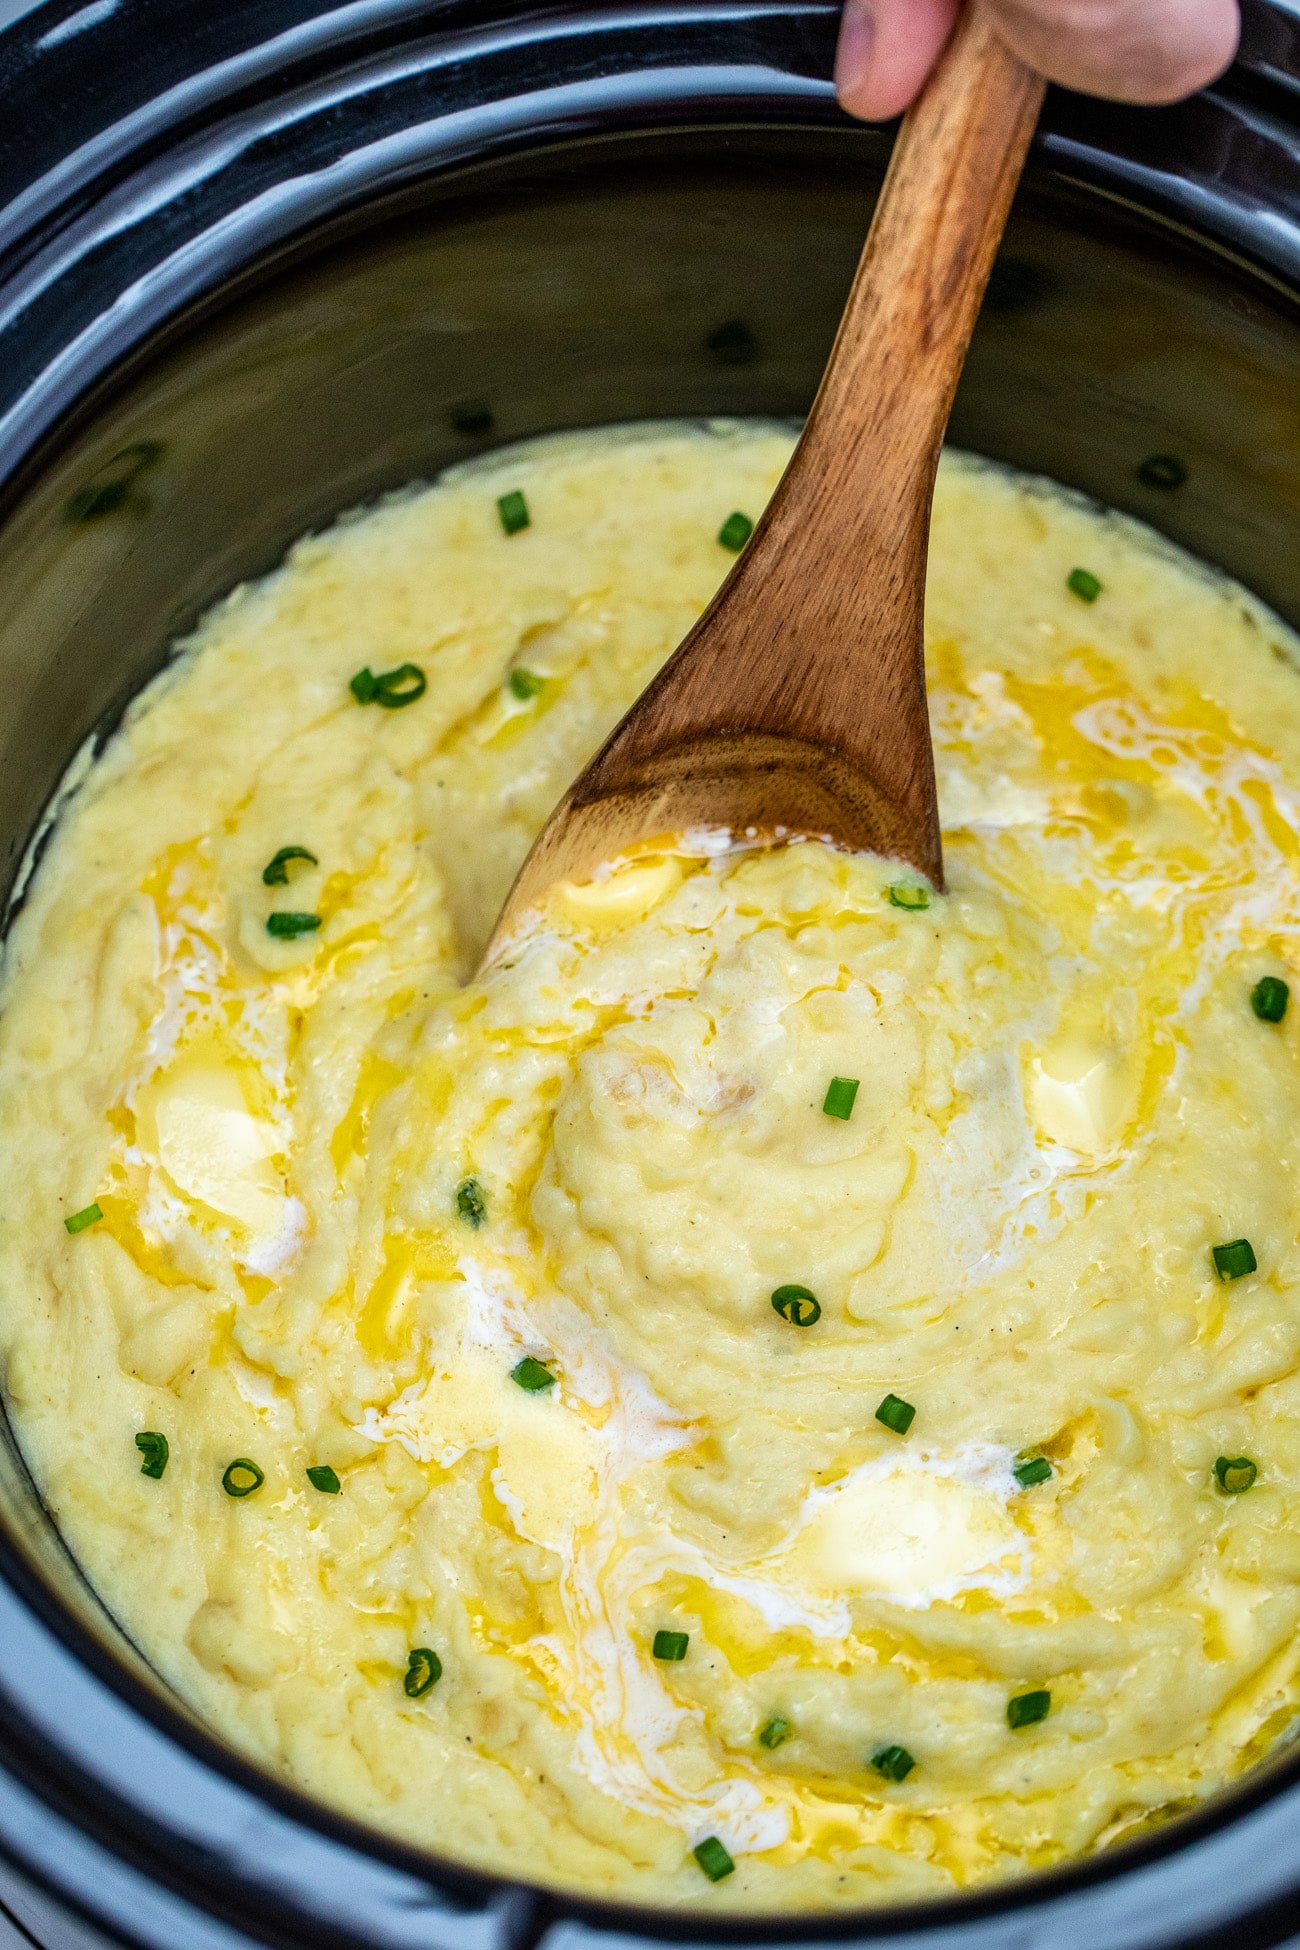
pixel 906 894
pixel 114 484
pixel 423 1671
pixel 670 1646
pixel 513 510
pixel 92 503
pixel 89 1215
pixel 775 1733
pixel 896 1414
pixel 472 416
pixel 840 1097
pixel 1034 1469
pixel 732 343
pixel 242 1477
pixel 1269 998
pixel 471 1205
pixel 797 1305
pixel 895 1763
pixel 276 872
pixel 532 1376
pixel 392 689
pixel 1083 584
pixel 735 532
pixel 1027 1709
pixel 1234 1259
pixel 287 927
pixel 323 1478
pixel 154 1450
pixel 1162 471
pixel 396 688
pixel 713 1858
pixel 1235 1474
pixel 526 684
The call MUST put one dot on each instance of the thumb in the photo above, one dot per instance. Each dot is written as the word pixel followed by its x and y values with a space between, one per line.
pixel 886 50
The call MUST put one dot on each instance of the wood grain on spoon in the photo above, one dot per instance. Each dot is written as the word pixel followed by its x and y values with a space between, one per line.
pixel 797 704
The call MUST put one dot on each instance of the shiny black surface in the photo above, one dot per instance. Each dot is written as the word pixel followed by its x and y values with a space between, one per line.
pixel 259 262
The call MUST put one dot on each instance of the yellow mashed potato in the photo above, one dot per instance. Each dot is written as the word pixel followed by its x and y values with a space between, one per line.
pixel 952 1582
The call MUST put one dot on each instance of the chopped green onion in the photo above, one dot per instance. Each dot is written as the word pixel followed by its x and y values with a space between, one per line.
pixel 532 1376
pixel 470 1202
pixel 513 510
pixel 471 416
pixel 775 1734
pixel 735 532
pixel 423 1671
pixel 154 1449
pixel 276 872
pixel 242 1477
pixel 392 688
pixel 1235 1474
pixel 732 343
pixel 1034 1469
pixel 895 1763
pixel 92 503
pixel 287 927
pixel 670 1646
pixel 396 688
pixel 1269 998
pixel 1083 584
pixel 526 684
pixel 797 1305
pixel 89 1215
pixel 113 486
pixel 1234 1259
pixel 713 1858
pixel 896 1414
pixel 841 1095
pixel 323 1478
pixel 1162 471
pixel 906 894
pixel 1027 1709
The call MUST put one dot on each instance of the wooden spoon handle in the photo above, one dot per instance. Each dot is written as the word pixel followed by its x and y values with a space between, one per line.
pixel 858 493
pixel 842 551
pixel 797 704
pixel 908 322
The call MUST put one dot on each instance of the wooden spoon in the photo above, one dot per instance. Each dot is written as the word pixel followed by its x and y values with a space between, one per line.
pixel 797 703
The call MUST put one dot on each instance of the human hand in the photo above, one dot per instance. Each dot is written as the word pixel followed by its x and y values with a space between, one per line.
pixel 1126 50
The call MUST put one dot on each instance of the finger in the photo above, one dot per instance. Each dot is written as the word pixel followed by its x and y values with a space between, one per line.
pixel 1127 50
pixel 886 50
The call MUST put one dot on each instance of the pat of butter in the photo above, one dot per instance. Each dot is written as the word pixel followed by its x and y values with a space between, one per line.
pixel 907 1534
pixel 624 895
pixel 1233 1603
pixel 546 1468
pixel 546 1474
pixel 212 1147
pixel 1079 1095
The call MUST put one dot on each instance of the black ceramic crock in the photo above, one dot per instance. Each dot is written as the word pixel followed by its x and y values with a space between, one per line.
pixel 262 260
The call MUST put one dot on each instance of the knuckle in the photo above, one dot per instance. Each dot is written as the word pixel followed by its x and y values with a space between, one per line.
pixel 1140 50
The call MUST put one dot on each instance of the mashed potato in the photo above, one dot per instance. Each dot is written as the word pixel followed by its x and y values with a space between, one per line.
pixel 738 1406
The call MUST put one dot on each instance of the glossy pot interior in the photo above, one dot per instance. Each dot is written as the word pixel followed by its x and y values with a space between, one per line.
pixel 616 226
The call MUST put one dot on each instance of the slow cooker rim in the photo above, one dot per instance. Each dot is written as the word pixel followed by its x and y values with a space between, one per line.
pixel 550 1905
pixel 1098 144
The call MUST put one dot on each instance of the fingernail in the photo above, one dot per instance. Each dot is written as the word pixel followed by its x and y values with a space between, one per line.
pixel 857 44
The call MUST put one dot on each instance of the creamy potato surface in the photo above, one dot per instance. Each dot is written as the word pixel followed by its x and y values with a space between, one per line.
pixel 740 1405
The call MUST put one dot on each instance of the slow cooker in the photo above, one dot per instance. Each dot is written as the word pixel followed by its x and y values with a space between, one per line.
pixel 264 260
